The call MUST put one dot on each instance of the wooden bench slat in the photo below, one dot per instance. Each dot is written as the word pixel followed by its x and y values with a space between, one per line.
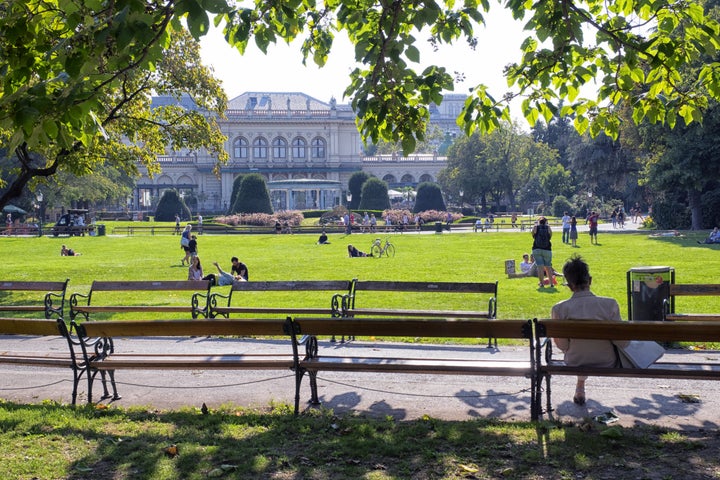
pixel 22 308
pixel 199 362
pixel 132 308
pixel 27 326
pixel 298 285
pixel 421 366
pixel 696 289
pixel 692 317
pixel 418 313
pixel 52 303
pixel 149 285
pixel 160 328
pixel 447 287
pixel 426 327
pixel 278 310
pixel 32 286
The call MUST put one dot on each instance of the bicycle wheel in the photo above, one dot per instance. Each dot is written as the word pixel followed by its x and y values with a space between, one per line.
pixel 390 250
pixel 375 251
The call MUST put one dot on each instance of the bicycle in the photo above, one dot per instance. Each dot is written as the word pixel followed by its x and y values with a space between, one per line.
pixel 377 249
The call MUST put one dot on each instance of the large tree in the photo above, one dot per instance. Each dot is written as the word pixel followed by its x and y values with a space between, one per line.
pixel 77 83
pixel 69 66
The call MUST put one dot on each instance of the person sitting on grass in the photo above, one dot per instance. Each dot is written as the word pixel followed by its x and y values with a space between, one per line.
pixel 323 240
pixel 714 237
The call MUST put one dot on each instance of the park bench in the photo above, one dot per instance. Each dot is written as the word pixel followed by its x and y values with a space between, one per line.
pixel 306 330
pixel 95 348
pixel 706 367
pixel 413 291
pixel 689 290
pixel 196 305
pixel 53 298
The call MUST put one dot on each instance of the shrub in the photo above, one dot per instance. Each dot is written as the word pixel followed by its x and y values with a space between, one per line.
pixel 355 185
pixel 560 205
pixel 253 196
pixel 669 214
pixel 171 204
pixel 374 195
pixel 429 197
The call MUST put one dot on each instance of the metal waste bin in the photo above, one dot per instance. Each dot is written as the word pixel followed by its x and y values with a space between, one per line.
pixel 647 287
pixel 438 227
pixel 101 230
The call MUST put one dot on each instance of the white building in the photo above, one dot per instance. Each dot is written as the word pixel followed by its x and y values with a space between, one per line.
pixel 305 149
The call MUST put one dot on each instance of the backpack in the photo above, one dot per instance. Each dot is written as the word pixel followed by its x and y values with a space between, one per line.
pixel 542 237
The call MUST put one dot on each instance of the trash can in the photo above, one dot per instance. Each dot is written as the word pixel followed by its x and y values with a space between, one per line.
pixel 647 288
pixel 101 230
pixel 438 227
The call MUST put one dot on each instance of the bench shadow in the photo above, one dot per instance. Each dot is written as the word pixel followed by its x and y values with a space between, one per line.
pixel 644 411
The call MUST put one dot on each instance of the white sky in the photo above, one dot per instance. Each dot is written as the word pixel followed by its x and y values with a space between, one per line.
pixel 282 70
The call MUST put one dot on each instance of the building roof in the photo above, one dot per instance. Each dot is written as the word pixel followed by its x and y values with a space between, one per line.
pixel 279 101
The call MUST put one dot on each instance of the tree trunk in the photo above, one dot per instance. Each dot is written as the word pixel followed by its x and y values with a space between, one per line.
pixel 695 204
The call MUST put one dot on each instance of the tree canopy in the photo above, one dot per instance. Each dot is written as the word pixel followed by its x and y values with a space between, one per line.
pixel 70 68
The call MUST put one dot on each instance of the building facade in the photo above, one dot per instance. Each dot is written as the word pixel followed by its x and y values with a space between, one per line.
pixel 305 149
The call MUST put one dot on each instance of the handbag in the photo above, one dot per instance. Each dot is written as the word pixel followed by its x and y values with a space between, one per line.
pixel 639 353
pixel 184 241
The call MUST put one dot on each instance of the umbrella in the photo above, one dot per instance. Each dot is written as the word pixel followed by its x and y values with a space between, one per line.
pixel 13 209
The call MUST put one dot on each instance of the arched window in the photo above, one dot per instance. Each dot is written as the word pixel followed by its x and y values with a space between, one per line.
pixel 279 148
pixel 298 147
pixel 260 147
pixel 426 178
pixel 407 178
pixel 317 148
pixel 240 147
pixel 389 179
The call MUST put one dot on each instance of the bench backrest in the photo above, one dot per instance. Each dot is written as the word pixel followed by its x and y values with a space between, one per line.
pixel 26 326
pixel 183 328
pixel 489 288
pixel 414 327
pixel 332 287
pixel 635 330
pixel 688 290
pixel 150 285
pixel 53 300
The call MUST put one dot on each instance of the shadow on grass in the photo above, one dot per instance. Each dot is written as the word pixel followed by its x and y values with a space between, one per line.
pixel 53 441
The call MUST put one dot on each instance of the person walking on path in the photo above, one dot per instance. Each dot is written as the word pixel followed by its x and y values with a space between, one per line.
pixel 542 251
pixel 566 228
pixel 586 305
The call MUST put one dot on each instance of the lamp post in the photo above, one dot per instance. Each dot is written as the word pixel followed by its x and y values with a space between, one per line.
pixel 461 192
pixel 348 196
pixel 39 197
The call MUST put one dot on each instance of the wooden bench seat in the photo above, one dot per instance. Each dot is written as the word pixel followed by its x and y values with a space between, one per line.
pixel 689 290
pixel 96 342
pixel 410 291
pixel 196 305
pixel 306 331
pixel 52 303
pixel 704 369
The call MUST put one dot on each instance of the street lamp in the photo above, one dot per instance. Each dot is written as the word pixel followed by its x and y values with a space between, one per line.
pixel 461 192
pixel 39 197
pixel 349 197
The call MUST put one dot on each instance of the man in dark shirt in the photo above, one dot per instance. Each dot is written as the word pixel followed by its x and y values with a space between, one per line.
pixel 239 268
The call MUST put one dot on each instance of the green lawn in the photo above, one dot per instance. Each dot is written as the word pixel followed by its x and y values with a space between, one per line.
pixel 48 441
pixel 441 257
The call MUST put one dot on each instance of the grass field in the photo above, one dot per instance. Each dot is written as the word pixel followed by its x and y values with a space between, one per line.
pixel 47 441
pixel 440 257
